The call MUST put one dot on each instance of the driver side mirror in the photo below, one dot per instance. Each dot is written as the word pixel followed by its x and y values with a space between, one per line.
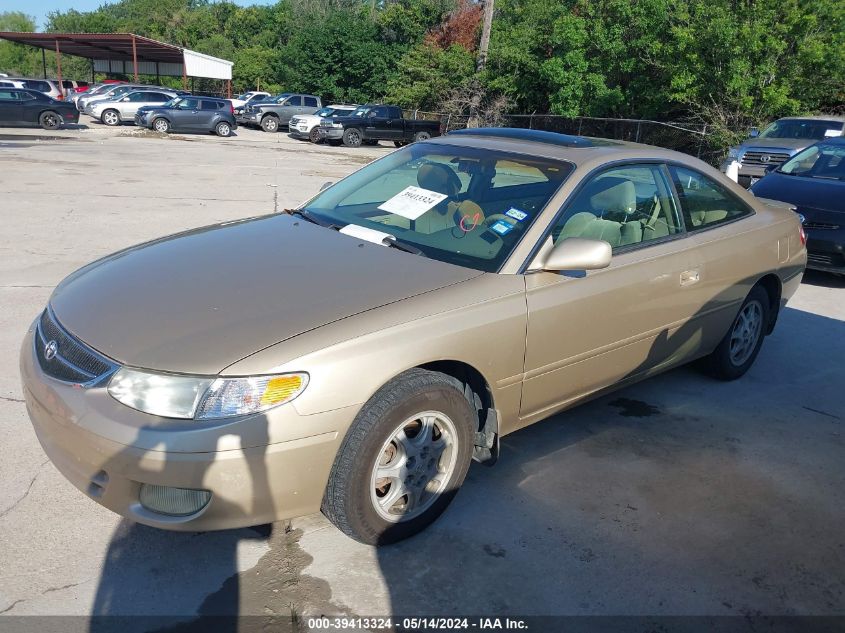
pixel 125 99
pixel 577 253
pixel 326 185
pixel 753 133
pixel 371 114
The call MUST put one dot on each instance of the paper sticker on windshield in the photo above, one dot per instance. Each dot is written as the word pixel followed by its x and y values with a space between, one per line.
pixel 501 227
pixel 516 214
pixel 829 133
pixel 412 202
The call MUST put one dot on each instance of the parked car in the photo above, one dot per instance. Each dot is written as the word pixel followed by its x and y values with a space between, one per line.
pixel 778 142
pixel 814 181
pixel 85 102
pixel 19 107
pixel 371 123
pixel 243 99
pixel 11 83
pixel 71 87
pixel 272 113
pixel 252 371
pixel 48 87
pixel 308 125
pixel 189 114
pixel 124 108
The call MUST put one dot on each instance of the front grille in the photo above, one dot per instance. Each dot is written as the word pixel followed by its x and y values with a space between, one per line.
pixel 825 259
pixel 754 158
pixel 820 226
pixel 73 361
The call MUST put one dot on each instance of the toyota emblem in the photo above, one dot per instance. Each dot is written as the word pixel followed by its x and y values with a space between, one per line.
pixel 50 350
pixel 765 158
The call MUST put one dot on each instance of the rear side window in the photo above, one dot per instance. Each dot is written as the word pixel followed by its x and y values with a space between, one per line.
pixel 6 84
pixel 310 102
pixel 8 95
pixel 211 105
pixel 67 84
pixel 705 203
pixel 41 86
pixel 158 97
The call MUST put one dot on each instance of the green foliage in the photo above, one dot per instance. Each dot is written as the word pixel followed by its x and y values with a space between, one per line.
pixel 426 74
pixel 15 58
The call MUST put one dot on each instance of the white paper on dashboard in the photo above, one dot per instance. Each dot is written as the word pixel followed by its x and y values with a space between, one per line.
pixel 412 202
pixel 829 133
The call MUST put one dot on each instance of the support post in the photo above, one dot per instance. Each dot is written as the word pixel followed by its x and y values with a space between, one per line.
pixel 59 70
pixel 184 77
pixel 44 61
pixel 228 88
pixel 158 79
pixel 92 72
pixel 134 59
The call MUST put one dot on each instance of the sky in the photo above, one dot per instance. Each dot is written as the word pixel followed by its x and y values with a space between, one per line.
pixel 40 8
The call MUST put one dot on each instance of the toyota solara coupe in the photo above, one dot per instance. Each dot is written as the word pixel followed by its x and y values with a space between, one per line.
pixel 355 354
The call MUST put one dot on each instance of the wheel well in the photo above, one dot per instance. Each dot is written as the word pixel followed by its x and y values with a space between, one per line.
pixel 270 114
pixel 468 375
pixel 772 285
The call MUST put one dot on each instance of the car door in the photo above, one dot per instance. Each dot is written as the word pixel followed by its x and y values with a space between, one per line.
pixel 729 250
pixel 209 110
pixel 290 107
pixel 309 105
pixel 186 114
pixel 378 124
pixel 11 111
pixel 128 105
pixel 589 330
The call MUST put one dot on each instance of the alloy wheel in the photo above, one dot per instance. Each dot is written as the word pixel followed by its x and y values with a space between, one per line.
pixel 746 332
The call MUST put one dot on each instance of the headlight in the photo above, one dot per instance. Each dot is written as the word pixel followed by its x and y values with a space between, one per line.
pixel 733 153
pixel 186 397
pixel 337 124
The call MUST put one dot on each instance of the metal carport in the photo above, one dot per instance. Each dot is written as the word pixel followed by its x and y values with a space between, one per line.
pixel 127 53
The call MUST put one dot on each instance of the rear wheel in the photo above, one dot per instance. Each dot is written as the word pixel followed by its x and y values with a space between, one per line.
pixel 422 136
pixel 223 129
pixel 162 126
pixel 49 120
pixel 352 137
pixel 314 134
pixel 270 124
pixel 110 117
pixel 403 459
pixel 399 143
pixel 738 350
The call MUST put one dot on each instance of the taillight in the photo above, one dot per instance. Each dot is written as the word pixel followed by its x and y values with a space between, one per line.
pixel 802 235
pixel 231 108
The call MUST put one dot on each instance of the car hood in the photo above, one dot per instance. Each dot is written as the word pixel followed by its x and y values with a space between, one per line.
pixel 808 194
pixel 777 143
pixel 199 301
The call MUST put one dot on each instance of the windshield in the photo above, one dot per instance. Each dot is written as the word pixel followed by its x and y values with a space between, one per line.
pixel 823 160
pixel 278 98
pixel 459 205
pixel 360 111
pixel 802 128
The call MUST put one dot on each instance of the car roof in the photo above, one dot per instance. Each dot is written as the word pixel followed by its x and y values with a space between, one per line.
pixel 578 150
pixel 814 117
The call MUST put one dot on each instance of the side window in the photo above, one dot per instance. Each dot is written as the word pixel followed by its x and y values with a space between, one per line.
pixel 310 102
pixel 705 203
pixel 380 113
pixel 8 95
pixel 157 97
pixel 209 105
pixel 26 96
pixel 623 206
pixel 294 101
pixel 139 96
pixel 189 104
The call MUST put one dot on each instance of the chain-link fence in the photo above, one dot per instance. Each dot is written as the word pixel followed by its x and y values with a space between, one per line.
pixel 690 138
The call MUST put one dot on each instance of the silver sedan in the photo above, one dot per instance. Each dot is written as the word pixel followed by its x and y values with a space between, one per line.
pixel 124 107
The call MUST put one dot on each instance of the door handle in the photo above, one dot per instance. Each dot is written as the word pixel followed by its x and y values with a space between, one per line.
pixel 689 277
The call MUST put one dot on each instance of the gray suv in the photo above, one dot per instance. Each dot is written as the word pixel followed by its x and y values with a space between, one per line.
pixel 779 142
pixel 276 112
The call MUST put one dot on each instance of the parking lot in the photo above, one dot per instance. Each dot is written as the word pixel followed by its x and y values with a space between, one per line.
pixel 677 496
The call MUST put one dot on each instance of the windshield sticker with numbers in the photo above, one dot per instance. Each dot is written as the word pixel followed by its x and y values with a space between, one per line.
pixel 412 202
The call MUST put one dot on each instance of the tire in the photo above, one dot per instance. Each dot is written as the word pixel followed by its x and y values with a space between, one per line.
pixel 110 117
pixel 421 136
pixel 49 120
pixel 270 123
pixel 162 126
pixel 399 143
pixel 737 351
pixel 352 137
pixel 314 134
pixel 223 129
pixel 359 502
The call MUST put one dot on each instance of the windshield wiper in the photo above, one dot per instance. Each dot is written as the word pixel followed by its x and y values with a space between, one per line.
pixel 310 217
pixel 402 246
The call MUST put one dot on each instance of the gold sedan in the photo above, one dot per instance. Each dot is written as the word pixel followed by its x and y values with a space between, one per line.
pixel 355 354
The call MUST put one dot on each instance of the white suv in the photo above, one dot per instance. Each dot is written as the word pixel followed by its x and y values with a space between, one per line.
pixel 308 125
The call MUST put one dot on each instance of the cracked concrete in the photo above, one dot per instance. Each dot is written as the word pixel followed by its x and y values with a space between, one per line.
pixel 679 495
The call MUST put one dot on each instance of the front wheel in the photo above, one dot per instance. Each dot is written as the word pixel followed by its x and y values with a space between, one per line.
pixel 223 129
pixel 421 136
pixel 49 120
pixel 403 459
pixel 111 117
pixel 162 126
pixel 352 137
pixel 270 124
pixel 738 350
pixel 314 134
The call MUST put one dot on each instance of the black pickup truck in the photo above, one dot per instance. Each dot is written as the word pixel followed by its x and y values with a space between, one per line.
pixel 371 123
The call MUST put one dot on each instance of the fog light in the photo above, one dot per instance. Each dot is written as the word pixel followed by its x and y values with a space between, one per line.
pixel 173 501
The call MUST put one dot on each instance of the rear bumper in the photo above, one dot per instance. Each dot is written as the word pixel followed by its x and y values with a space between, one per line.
pixel 253 485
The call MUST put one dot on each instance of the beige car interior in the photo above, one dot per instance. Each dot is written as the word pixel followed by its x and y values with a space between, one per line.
pixel 608 209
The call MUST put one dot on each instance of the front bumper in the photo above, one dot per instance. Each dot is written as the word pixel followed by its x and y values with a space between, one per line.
pixel 249 118
pixel 826 250
pixel 259 468
pixel 332 133
pixel 301 131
